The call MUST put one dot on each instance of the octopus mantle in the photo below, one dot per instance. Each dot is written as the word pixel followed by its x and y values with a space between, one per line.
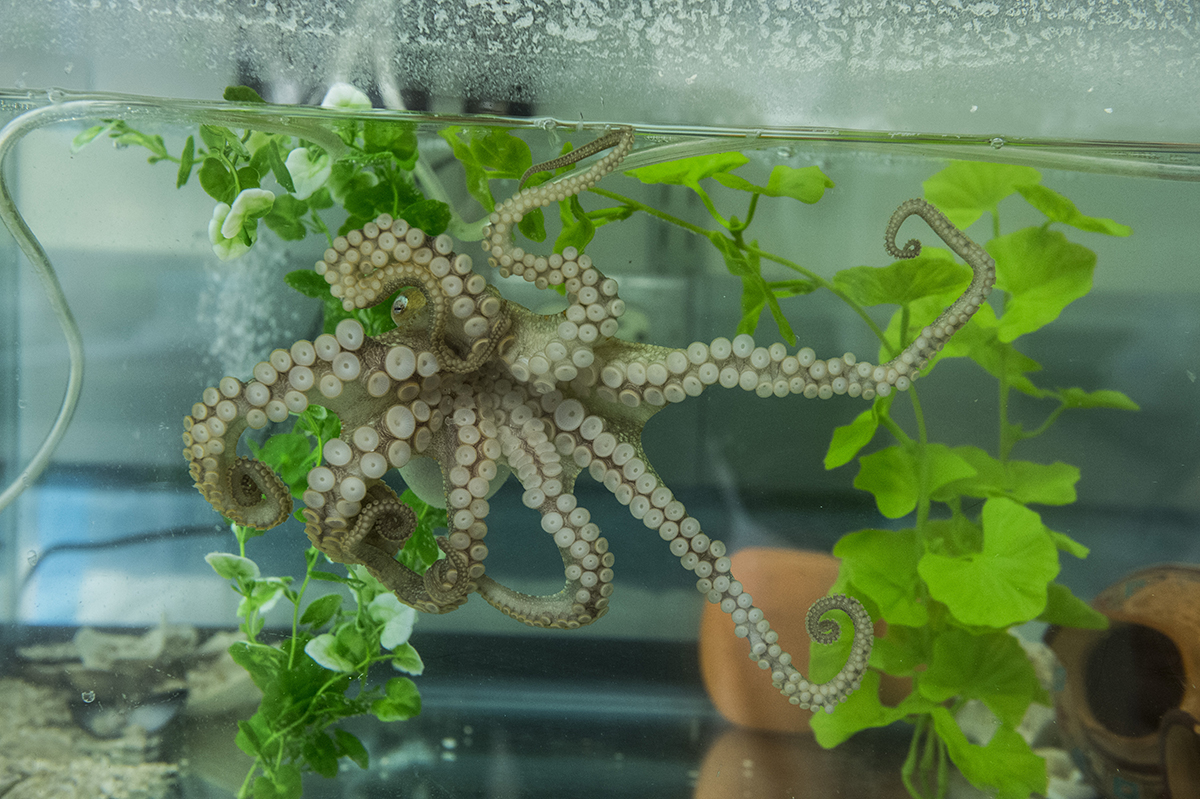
pixel 479 386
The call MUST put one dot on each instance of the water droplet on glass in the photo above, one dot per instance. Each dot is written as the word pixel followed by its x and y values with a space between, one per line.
pixel 997 143
pixel 88 697
pixel 32 557
pixel 55 95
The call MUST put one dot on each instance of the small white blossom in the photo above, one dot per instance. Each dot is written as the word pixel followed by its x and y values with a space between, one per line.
pixel 397 620
pixel 228 222
pixel 343 95
pixel 309 170
pixel 250 205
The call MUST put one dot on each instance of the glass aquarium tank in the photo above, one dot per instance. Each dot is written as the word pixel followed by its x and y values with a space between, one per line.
pixel 319 319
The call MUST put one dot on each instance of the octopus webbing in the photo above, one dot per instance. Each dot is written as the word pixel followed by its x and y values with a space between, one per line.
pixel 469 387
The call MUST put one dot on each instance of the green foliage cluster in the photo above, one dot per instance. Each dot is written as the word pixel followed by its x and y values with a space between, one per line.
pixel 317 676
pixel 952 584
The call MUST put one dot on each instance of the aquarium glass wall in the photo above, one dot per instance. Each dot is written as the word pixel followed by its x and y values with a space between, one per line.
pixel 230 309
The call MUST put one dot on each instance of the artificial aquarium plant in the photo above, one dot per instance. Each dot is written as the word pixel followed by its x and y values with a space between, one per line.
pixel 975 558
pixel 368 525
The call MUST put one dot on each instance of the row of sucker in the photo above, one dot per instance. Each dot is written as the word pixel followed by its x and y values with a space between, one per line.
pixel 366 266
pixel 532 450
pixel 593 304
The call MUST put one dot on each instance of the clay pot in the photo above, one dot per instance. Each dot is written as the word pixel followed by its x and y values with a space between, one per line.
pixel 783 582
pixel 1127 698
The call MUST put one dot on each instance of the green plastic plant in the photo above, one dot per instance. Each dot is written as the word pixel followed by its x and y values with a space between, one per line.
pixel 317 675
pixel 975 561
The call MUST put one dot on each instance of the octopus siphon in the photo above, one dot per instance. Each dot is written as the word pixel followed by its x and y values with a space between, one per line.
pixel 470 387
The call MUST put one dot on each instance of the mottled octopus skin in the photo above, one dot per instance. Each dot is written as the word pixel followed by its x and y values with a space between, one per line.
pixel 479 384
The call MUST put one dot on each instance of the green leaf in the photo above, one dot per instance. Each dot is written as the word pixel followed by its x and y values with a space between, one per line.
pixel 487 154
pixel 327 651
pixel 933 273
pixel 262 596
pixel 278 167
pixel 249 178
pixel 1060 209
pixel 1043 273
pixel 350 746
pixel 291 455
pixel 263 663
pixel 284 220
pixel 217 181
pixel 308 283
pixel 251 734
pixel 328 577
pixel 285 784
pixel 992 668
pixel 849 439
pixel 186 161
pixel 883 565
pixel 83 138
pixel 1023 481
pixel 395 138
pixel 1005 583
pixel 320 611
pixel 421 550
pixel 321 754
pixel 221 139
pixel 688 171
pixel 406 659
pixel 401 702
pixel 807 184
pixel 862 711
pixel 901 651
pixel 1078 398
pixel 980 340
pixel 242 94
pixel 1006 763
pixel 892 475
pixel 431 216
pixel 577 228
pixel 233 567
pixel 966 190
pixel 1067 544
pixel 1067 610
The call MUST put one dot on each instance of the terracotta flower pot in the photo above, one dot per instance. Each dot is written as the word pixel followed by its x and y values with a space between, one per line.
pixel 783 582
pixel 1127 698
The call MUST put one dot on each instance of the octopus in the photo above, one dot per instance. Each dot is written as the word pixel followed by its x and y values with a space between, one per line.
pixel 469 388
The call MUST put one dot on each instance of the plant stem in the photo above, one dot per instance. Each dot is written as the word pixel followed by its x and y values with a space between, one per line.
pixel 750 248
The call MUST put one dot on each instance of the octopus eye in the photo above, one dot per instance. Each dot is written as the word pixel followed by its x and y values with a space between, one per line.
pixel 399 307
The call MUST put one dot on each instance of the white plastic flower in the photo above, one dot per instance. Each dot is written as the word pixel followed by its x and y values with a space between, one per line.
pixel 323 649
pixel 309 170
pixel 225 229
pixel 343 95
pixel 396 617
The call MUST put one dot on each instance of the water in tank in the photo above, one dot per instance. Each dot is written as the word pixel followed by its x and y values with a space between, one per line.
pixel 807 390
